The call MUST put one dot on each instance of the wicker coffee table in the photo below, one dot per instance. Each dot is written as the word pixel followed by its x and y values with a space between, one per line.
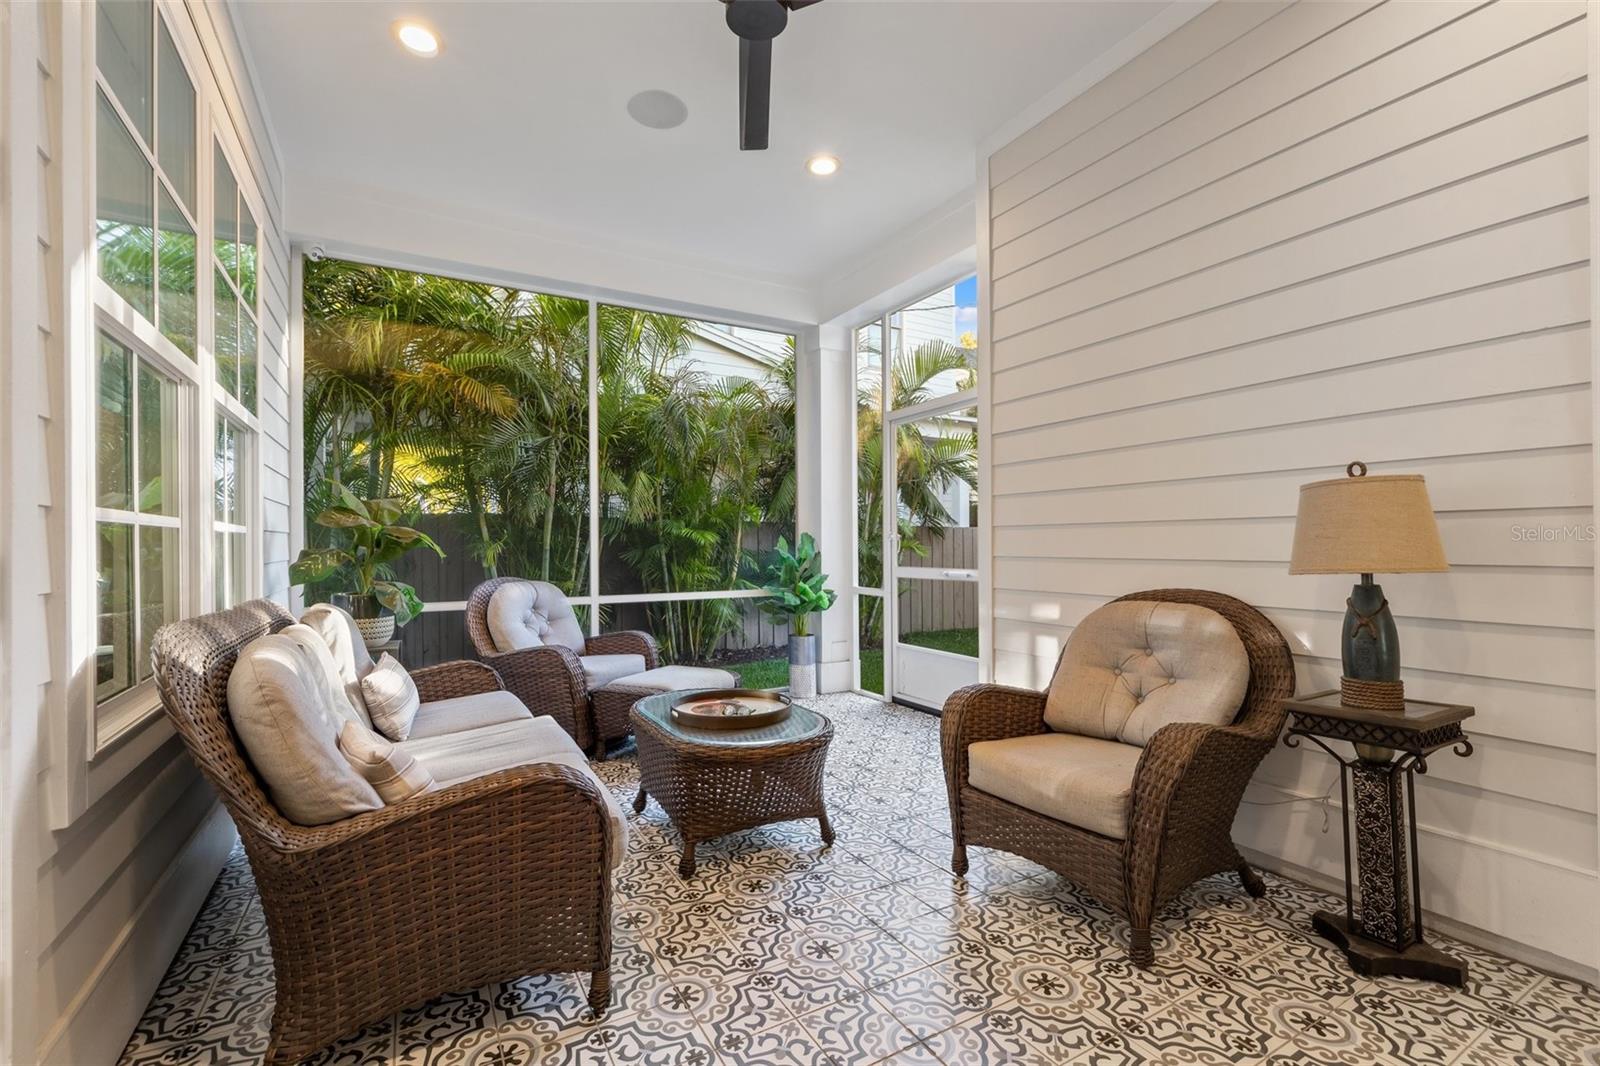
pixel 712 782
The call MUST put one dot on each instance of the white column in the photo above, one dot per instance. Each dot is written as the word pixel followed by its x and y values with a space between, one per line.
pixel 825 507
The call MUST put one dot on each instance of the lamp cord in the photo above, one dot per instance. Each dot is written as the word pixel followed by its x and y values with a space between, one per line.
pixel 1322 800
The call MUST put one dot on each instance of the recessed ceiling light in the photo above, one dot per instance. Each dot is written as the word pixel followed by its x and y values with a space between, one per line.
pixel 658 109
pixel 822 165
pixel 417 39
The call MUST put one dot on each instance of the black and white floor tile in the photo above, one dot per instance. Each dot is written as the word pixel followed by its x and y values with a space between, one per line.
pixel 780 952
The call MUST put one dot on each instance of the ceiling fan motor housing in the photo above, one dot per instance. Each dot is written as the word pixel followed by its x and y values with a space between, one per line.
pixel 757 20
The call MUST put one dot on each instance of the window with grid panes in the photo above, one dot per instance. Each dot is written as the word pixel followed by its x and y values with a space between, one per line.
pixel 230 548
pixel 146 187
pixel 234 242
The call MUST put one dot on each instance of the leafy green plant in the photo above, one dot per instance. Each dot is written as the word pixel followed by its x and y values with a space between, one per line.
pixel 795 585
pixel 375 542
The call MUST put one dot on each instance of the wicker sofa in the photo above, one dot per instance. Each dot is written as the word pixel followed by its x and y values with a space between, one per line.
pixel 1155 816
pixel 486 879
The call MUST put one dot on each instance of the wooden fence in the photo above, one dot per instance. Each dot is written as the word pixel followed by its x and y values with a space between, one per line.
pixel 935 605
pixel 440 635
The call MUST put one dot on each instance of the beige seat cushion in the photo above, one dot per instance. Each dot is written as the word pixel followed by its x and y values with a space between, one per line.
pixel 392 698
pixel 279 704
pixel 1134 666
pixel 455 757
pixel 338 630
pixel 530 614
pixel 467 712
pixel 600 670
pixel 1083 781
pixel 673 678
pixel 395 774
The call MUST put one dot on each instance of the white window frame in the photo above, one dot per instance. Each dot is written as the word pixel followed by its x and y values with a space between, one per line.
pixel 96 745
pixel 246 422
pixel 113 721
pixel 121 711
pixel 245 496
pixel 222 138
pixel 968 397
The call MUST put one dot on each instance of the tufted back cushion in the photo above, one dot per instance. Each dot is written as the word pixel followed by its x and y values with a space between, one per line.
pixel 531 614
pixel 1133 666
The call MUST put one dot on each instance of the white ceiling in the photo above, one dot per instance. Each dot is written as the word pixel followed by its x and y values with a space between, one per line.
pixel 524 114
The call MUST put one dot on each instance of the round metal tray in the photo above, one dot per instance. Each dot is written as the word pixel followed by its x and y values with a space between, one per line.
pixel 710 710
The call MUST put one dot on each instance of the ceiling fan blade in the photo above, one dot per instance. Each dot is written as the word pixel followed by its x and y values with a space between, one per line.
pixel 755 93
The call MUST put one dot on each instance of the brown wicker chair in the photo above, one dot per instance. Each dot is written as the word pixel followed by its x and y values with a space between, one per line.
pixel 1186 789
pixel 486 880
pixel 549 679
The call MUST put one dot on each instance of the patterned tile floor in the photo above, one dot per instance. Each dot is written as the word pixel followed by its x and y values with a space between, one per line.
pixel 781 952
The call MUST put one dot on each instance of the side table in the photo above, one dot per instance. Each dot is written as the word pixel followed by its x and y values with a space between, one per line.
pixel 712 782
pixel 1391 748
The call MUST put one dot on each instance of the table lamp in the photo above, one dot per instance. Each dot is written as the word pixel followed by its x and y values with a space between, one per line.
pixel 1367 525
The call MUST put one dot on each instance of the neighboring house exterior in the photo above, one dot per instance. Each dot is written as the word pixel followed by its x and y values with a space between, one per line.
pixel 735 351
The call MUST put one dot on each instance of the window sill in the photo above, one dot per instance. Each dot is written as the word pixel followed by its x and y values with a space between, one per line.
pixel 126 738
pixel 124 719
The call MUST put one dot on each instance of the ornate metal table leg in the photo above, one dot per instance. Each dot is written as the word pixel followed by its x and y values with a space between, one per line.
pixel 1381 851
pixel 1387 937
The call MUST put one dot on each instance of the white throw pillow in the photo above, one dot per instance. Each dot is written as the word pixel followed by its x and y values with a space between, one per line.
pixel 338 630
pixel 395 774
pixel 392 698
pixel 278 702
pixel 339 696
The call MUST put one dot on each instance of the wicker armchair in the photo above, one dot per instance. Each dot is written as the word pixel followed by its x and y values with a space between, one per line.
pixel 550 678
pixel 487 880
pixel 1186 788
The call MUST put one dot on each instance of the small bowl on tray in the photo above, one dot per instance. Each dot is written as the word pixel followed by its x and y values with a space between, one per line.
pixel 731 708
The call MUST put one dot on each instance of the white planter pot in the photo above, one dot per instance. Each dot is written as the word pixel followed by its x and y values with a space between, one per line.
pixel 374 621
pixel 802 667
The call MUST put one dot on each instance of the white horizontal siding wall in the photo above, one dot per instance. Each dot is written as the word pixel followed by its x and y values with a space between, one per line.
pixel 90 915
pixel 1286 237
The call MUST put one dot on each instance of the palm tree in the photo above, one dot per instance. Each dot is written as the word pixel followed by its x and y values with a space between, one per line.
pixel 438 376
pixel 927 464
pixel 475 399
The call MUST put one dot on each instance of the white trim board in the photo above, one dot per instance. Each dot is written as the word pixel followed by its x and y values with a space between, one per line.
pixel 1593 12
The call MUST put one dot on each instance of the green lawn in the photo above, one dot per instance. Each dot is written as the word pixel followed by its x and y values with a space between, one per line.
pixel 960 641
pixel 774 673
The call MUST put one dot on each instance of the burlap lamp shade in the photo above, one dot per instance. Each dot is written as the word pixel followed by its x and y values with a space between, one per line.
pixel 1378 524
pixel 1364 525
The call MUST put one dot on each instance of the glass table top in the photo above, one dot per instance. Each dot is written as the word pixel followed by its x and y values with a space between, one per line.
pixel 801 724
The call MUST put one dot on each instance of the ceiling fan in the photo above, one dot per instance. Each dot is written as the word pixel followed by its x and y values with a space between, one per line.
pixel 757 22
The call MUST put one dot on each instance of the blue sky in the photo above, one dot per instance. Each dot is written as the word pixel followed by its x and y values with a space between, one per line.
pixel 966 305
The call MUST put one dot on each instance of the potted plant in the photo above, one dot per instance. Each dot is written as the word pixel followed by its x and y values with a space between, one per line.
pixel 376 602
pixel 795 591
